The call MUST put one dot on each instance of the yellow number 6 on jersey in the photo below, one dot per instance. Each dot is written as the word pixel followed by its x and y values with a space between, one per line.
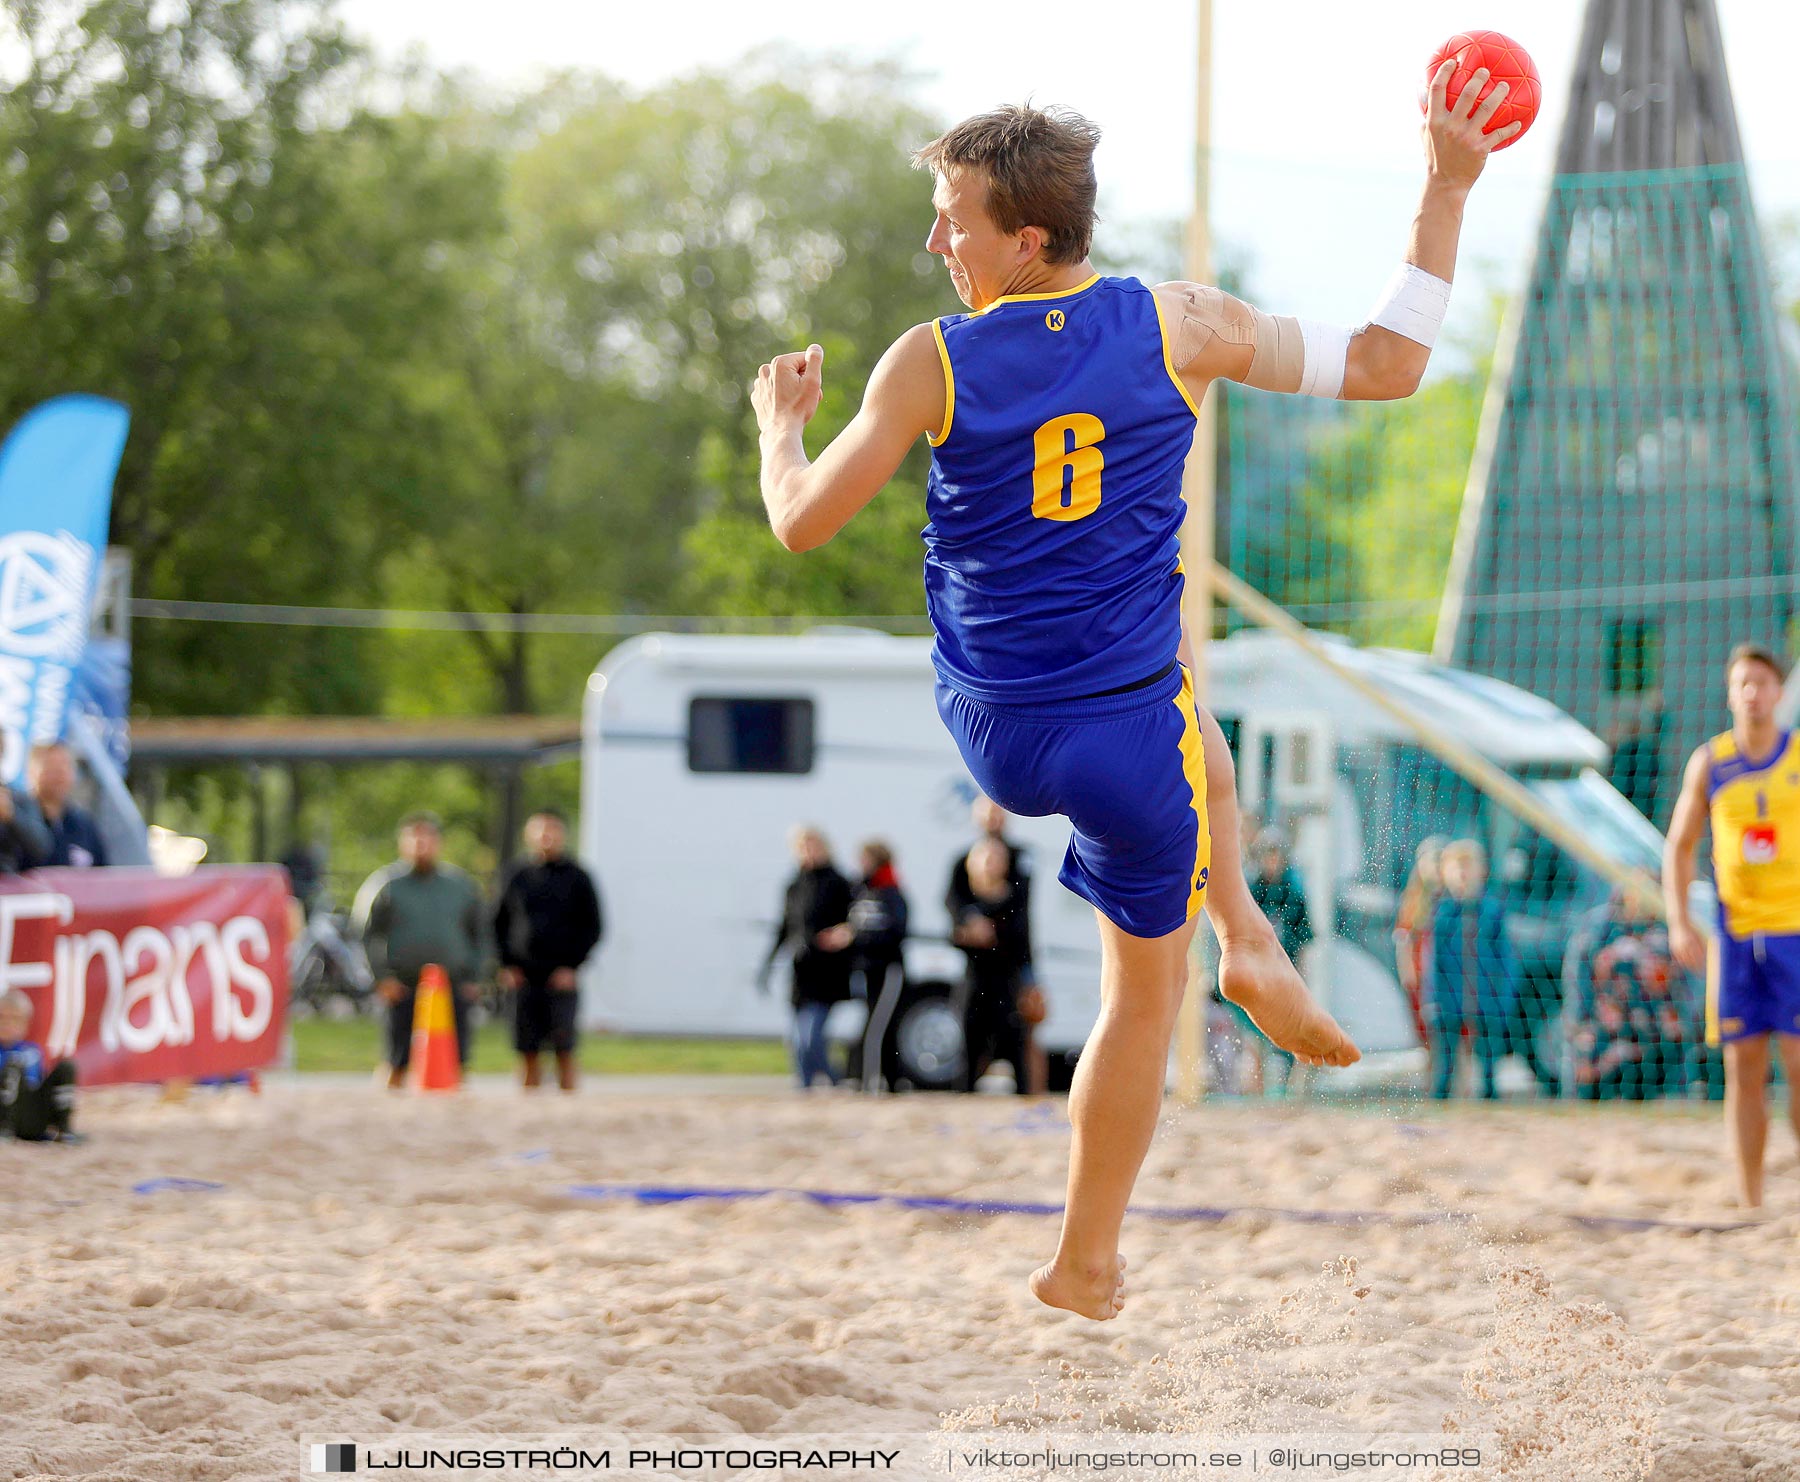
pixel 1067 446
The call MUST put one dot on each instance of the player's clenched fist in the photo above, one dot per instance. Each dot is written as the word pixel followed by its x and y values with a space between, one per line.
pixel 1457 143
pixel 786 391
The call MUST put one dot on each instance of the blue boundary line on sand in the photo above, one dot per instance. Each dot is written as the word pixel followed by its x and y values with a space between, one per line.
pixel 938 1204
pixel 1195 1213
pixel 176 1186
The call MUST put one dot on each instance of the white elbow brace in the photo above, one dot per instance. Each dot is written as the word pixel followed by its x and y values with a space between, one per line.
pixel 1412 305
pixel 1327 347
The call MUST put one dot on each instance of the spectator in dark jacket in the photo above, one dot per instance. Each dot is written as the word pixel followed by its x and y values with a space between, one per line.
pixel 990 823
pixel 875 937
pixel 75 840
pixel 416 913
pixel 816 900
pixel 24 840
pixel 992 929
pixel 1474 970
pixel 878 916
pixel 1276 888
pixel 546 924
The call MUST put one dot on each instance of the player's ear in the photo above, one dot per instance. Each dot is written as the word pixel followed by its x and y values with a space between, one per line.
pixel 1032 240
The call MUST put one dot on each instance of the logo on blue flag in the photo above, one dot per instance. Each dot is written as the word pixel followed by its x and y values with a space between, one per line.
pixel 56 479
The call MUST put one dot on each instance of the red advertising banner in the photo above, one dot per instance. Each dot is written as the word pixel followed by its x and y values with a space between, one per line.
pixel 141 978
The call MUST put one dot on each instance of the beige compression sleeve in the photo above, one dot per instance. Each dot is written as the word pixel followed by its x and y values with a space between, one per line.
pixel 1286 354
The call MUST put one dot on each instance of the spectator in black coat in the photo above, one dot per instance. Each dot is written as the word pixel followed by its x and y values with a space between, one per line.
pixel 1276 887
pixel 1278 891
pixel 24 840
pixel 989 819
pixel 75 840
pixel 992 929
pixel 816 900
pixel 546 924
pixel 878 916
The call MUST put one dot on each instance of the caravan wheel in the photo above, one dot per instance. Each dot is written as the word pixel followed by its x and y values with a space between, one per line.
pixel 928 1043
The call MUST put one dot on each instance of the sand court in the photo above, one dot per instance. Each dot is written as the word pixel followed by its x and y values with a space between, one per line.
pixel 337 1260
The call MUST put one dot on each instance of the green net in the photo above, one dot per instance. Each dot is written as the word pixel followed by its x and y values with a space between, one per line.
pixel 1594 514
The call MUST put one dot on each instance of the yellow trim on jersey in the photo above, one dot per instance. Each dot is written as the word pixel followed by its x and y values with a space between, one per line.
pixel 1193 768
pixel 1032 298
pixel 1162 324
pixel 937 330
pixel 1755 821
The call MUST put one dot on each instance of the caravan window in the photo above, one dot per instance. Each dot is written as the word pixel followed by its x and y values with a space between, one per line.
pixel 750 735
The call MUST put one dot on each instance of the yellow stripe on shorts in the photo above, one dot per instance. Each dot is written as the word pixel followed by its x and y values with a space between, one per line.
pixel 1712 992
pixel 1193 768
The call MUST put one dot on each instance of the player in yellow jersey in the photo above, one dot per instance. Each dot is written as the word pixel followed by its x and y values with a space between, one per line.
pixel 1748 782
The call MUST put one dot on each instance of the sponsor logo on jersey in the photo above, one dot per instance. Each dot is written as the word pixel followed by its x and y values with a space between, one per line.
pixel 1759 843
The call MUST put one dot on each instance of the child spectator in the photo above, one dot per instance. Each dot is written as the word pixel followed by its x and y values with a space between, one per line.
pixel 1412 926
pixel 1631 1011
pixel 1608 1055
pixel 37 1099
pixel 1474 971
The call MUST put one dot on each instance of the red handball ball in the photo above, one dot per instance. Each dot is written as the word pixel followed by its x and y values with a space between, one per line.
pixel 1506 61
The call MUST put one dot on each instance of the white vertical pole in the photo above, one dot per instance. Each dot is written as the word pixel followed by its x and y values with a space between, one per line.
pixel 1197 533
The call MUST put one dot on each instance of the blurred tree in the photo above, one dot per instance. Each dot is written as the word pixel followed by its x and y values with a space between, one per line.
pixel 201 217
pixel 1366 549
pixel 659 248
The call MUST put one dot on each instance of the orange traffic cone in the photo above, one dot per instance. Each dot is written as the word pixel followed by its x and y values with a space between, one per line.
pixel 433 1065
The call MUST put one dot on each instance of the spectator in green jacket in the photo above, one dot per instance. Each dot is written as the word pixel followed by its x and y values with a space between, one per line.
pixel 1276 888
pixel 415 913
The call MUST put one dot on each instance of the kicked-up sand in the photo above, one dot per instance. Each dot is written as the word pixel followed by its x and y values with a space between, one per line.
pixel 372 1264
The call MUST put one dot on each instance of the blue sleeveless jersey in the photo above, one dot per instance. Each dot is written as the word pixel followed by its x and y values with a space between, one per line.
pixel 1052 556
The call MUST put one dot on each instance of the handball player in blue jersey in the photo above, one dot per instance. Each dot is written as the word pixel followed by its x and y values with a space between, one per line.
pixel 1060 410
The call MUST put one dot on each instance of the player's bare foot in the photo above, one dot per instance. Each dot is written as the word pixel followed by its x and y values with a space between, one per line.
pixel 1093 1291
pixel 1255 974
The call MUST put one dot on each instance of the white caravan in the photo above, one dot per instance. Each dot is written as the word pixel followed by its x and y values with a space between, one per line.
pixel 700 752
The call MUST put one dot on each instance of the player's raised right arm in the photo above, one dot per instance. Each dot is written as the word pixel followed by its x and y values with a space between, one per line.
pixel 809 502
pixel 1685 829
pixel 1215 335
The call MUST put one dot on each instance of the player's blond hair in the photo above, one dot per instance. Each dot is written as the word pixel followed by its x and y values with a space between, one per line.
pixel 1039 164
pixel 1755 653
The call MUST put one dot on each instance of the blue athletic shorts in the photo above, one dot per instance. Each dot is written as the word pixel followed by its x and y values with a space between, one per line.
pixel 1126 770
pixel 1752 986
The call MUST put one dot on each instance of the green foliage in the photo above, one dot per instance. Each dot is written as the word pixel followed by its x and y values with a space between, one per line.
pixel 686 237
pixel 452 353
pixel 387 343
pixel 1347 514
pixel 200 220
